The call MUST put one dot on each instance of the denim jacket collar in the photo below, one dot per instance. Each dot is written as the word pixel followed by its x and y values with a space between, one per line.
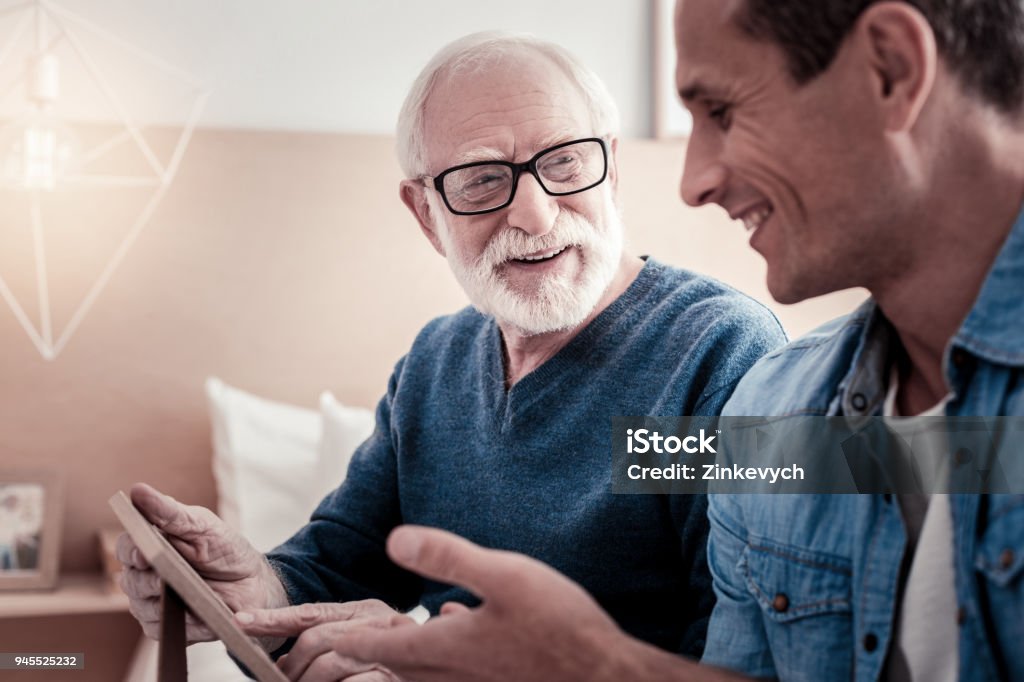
pixel 991 331
pixel 992 328
pixel 862 390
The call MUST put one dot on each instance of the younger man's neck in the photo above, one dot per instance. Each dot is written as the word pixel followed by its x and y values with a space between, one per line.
pixel 971 209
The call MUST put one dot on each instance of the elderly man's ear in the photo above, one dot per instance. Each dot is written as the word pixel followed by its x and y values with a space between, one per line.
pixel 613 166
pixel 414 196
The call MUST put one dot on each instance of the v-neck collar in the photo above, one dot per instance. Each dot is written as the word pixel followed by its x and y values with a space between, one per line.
pixel 568 359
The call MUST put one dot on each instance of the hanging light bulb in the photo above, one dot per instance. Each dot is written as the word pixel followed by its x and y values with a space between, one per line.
pixel 37 150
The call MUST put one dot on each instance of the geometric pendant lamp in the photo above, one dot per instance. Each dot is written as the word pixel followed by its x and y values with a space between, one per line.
pixel 53 56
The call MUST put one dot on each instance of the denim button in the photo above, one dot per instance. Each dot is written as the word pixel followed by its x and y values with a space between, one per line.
pixel 1006 559
pixel 781 602
pixel 962 456
pixel 961 616
pixel 870 642
pixel 959 358
pixel 859 401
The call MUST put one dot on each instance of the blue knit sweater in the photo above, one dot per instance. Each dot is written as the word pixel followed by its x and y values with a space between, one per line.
pixel 529 469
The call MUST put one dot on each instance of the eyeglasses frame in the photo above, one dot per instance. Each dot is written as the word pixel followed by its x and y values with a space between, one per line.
pixel 518 169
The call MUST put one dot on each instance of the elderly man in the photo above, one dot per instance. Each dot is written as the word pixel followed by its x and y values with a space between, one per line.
pixel 495 424
pixel 878 144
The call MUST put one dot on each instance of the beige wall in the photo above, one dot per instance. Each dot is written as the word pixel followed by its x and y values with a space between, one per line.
pixel 284 263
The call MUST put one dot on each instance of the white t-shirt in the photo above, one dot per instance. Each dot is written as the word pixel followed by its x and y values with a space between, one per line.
pixel 926 645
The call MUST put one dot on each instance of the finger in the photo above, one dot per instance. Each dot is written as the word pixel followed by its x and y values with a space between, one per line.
pixel 329 667
pixel 373 676
pixel 197 631
pixel 293 620
pixel 140 584
pixel 320 670
pixel 448 558
pixel 128 553
pixel 314 643
pixel 144 608
pixel 165 512
pixel 310 645
pixel 452 607
pixel 403 650
pixel 151 630
pixel 149 613
pixel 400 620
pixel 146 611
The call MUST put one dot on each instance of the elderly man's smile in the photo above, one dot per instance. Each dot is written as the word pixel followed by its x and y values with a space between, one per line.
pixel 545 261
pixel 542 256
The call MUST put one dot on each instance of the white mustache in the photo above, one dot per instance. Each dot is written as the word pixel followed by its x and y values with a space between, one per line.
pixel 570 229
pixel 552 302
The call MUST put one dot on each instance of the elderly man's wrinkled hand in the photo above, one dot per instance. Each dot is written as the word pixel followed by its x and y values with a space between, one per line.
pixel 229 564
pixel 318 627
pixel 534 623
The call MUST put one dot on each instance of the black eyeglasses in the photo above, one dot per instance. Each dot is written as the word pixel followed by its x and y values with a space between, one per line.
pixel 485 186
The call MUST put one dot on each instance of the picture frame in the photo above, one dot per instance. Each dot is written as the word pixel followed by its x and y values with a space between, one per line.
pixel 31 508
pixel 183 589
pixel 671 119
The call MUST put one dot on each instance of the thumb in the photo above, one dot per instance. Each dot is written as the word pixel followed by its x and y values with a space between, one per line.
pixel 450 608
pixel 448 558
pixel 164 512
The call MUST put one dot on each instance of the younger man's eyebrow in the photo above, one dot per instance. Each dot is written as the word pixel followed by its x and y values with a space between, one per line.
pixel 695 90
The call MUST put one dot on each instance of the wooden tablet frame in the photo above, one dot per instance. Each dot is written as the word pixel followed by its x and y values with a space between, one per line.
pixel 183 588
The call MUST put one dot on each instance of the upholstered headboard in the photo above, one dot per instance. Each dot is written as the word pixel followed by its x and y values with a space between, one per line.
pixel 283 263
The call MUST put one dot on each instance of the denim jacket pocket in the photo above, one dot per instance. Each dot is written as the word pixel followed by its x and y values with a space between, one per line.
pixel 999 558
pixel 1000 553
pixel 805 599
pixel 791 583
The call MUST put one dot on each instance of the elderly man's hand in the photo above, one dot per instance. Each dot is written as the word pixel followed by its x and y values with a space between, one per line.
pixel 534 623
pixel 226 561
pixel 318 627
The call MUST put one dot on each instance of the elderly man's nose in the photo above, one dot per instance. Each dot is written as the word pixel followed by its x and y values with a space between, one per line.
pixel 532 209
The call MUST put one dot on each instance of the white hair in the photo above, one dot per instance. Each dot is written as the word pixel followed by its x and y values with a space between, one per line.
pixel 479 50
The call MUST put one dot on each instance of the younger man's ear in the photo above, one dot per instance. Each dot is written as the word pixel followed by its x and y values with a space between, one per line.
pixel 903 58
pixel 414 196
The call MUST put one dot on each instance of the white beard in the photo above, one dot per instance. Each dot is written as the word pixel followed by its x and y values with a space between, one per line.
pixel 558 302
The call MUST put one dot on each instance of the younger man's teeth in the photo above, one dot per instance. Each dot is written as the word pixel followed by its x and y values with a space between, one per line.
pixel 752 221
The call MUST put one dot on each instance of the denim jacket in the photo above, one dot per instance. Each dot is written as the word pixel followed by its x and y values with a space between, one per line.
pixel 807 585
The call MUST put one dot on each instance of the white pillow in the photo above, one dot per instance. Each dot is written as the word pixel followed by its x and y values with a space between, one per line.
pixel 265 462
pixel 344 430
pixel 273 463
